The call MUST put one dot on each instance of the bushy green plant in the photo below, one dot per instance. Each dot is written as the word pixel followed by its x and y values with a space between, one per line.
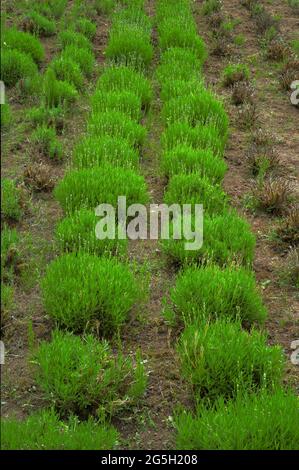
pixel 72 38
pixel 194 189
pixel 16 65
pixel 83 57
pixel 117 124
pixel 132 17
pixel 264 421
pixel 212 292
pixel 96 151
pixel 6 115
pixel 97 381
pixel 108 291
pixel 105 7
pixel 123 101
pixel 126 79
pixel 40 24
pixel 23 42
pixel 185 159
pixel 67 70
pixel 129 46
pixel 47 142
pixel 199 137
pixel 86 27
pixel 52 117
pixel 88 188
pixel 219 358
pixel 56 7
pixel 45 430
pixel 57 92
pixel 235 73
pixel 10 200
pixel 174 88
pixel 227 239
pixel 77 233
pixel 179 63
pixel 202 108
pixel 211 6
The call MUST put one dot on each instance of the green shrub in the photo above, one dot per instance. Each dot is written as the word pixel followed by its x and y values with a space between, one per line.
pixel 132 17
pixel 218 359
pixel 227 239
pixel 185 159
pixel 10 200
pixel 67 70
pixel 88 188
pixel 199 137
pixel 104 7
pixel 96 151
pixel 52 117
pixel 9 252
pixel 25 43
pixel 71 38
pixel 195 109
pixel 6 116
pixel 15 66
pixel 44 430
pixel 40 25
pixel 193 189
pixel 57 92
pixel 175 88
pixel 126 79
pixel 264 421
pixel 211 6
pixel 211 292
pixel 86 27
pixel 47 143
pixel 181 64
pixel 235 73
pixel 123 101
pixel 129 46
pixel 83 57
pixel 117 124
pixel 77 233
pixel 108 291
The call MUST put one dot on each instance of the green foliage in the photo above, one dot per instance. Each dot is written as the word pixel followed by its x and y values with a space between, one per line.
pixel 57 92
pixel 47 142
pixel 194 189
pixel 7 302
pixel 72 38
pixel 219 359
pixel 77 233
pixel 211 293
pixel 104 7
pixel 196 109
pixel 211 6
pixel 227 239
pixel 52 117
pixel 67 70
pixel 86 27
pixel 23 42
pixel 6 116
pixel 88 188
pixel 96 151
pixel 185 159
pixel 55 8
pixel 264 421
pixel 40 24
pixel 199 137
pixel 117 124
pixel 83 57
pixel 175 88
pixel 180 64
pixel 123 101
pixel 45 430
pixel 10 200
pixel 108 291
pixel 9 252
pixel 125 79
pixel 294 4
pixel 235 73
pixel 15 66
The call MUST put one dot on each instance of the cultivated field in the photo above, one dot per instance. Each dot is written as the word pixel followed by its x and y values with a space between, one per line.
pixel 140 343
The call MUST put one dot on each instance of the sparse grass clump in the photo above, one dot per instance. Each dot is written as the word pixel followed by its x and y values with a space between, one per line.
pixel 6 116
pixel 39 177
pixel 272 195
pixel 211 6
pixel 264 421
pixel 126 79
pixel 117 124
pixel 235 73
pixel 72 38
pixel 97 381
pixel 96 151
pixel 50 117
pixel 212 293
pixel 78 233
pixel 83 57
pixel 39 24
pixel 124 101
pixel 57 92
pixel 23 42
pixel 88 188
pixel 67 70
pixel 194 189
pixel 7 302
pixel 16 65
pixel 10 200
pixel 288 228
pixel 108 291
pixel 289 272
pixel 47 142
pixel 104 7
pixel 9 252
pixel 185 159
pixel 86 27
pixel 45 430
pixel 219 358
